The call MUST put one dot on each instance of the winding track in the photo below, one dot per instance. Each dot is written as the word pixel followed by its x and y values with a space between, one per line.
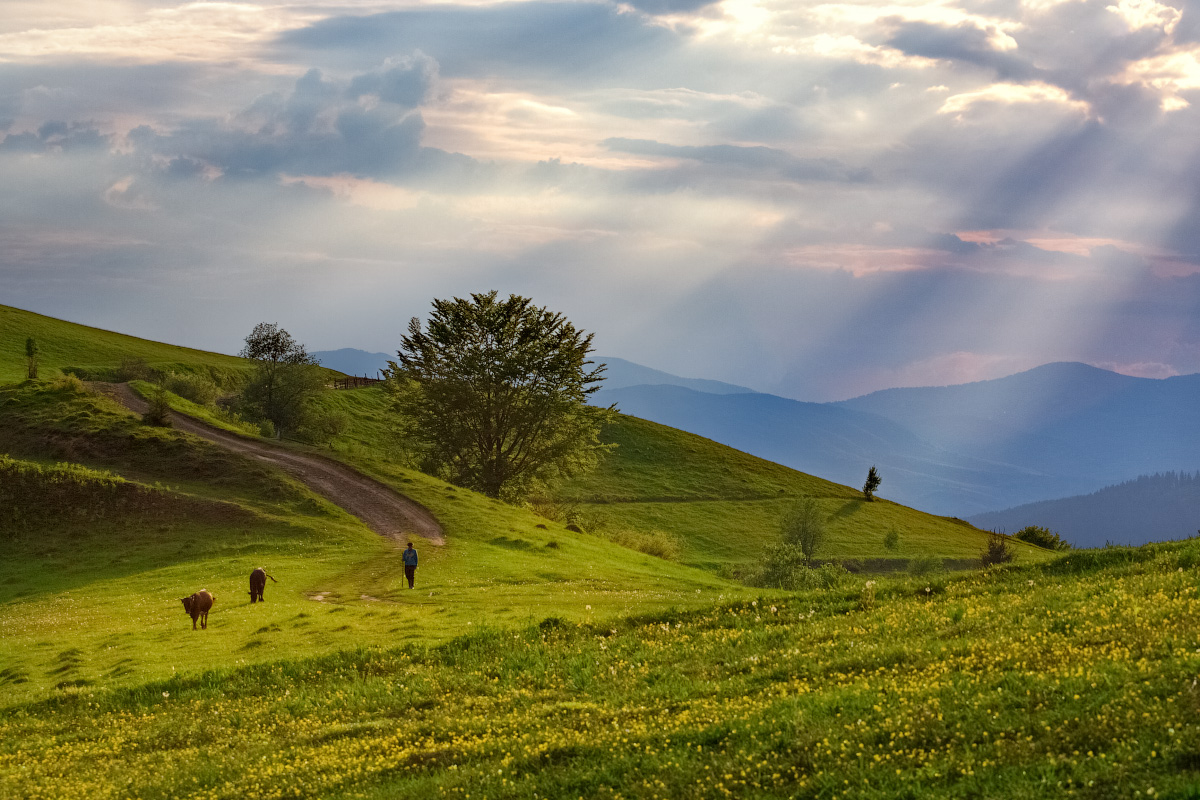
pixel 381 508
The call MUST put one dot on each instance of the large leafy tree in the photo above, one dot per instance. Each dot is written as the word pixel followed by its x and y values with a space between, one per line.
pixel 494 394
pixel 285 379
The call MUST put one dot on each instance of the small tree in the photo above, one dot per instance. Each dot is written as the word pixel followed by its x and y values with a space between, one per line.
pixel 159 412
pixel 803 526
pixel 285 379
pixel 996 551
pixel 32 351
pixel 493 394
pixel 873 481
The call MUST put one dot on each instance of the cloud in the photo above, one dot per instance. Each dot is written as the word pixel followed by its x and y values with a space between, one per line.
pixel 754 159
pixel 585 42
pixel 404 81
pixel 659 7
pixel 56 136
pixel 966 43
pixel 321 128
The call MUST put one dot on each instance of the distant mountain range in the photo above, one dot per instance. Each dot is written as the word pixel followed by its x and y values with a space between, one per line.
pixel 1059 430
pixel 1149 508
pixel 354 362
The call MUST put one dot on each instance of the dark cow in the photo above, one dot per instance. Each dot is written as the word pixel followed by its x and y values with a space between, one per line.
pixel 258 582
pixel 197 606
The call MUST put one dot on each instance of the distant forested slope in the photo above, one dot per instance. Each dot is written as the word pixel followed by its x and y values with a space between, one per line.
pixel 1148 509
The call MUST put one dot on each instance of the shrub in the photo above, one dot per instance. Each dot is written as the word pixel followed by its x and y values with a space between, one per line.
pixel 322 426
pixel 803 526
pixel 135 369
pixel 996 551
pixel 653 543
pixel 784 566
pixel 200 389
pixel 891 539
pixel 159 412
pixel 923 565
pixel 1042 537
pixel 266 429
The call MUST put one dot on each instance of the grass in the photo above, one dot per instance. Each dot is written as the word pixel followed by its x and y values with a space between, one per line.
pixel 106 587
pixel 66 344
pixel 537 660
pixel 1056 680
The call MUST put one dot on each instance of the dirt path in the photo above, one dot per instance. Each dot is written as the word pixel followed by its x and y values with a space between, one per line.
pixel 384 510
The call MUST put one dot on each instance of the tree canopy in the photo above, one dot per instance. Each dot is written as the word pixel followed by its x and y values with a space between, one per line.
pixel 285 379
pixel 493 393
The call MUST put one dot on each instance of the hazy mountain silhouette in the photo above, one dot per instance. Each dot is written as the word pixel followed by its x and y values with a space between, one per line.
pixel 836 443
pixel 1060 419
pixel 354 362
pixel 621 374
pixel 1148 509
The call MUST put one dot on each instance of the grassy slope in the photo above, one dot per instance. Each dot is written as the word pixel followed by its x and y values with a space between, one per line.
pixel 723 505
pixel 67 344
pixel 88 601
pixel 1073 678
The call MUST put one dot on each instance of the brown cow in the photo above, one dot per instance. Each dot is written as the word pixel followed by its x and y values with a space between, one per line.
pixel 258 582
pixel 197 606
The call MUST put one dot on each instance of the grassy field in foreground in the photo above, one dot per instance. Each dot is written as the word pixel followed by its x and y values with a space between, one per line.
pixel 1073 678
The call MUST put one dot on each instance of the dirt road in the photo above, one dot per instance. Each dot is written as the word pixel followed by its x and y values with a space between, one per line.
pixel 384 510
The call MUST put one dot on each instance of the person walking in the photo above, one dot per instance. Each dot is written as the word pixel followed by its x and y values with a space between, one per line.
pixel 410 564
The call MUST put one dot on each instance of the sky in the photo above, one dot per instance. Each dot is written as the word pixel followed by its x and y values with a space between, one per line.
pixel 814 199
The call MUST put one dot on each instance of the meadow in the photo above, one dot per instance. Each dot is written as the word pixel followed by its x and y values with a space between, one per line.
pixel 1073 678
pixel 540 655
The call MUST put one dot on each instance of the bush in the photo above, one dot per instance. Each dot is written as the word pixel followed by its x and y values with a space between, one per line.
pixel 322 426
pixel 996 551
pixel 159 413
pixel 1042 537
pixel 266 429
pixel 200 389
pixel 653 543
pixel 135 369
pixel 923 565
pixel 891 539
pixel 784 566
pixel 803 526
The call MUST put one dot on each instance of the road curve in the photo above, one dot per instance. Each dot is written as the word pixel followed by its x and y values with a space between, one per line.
pixel 381 508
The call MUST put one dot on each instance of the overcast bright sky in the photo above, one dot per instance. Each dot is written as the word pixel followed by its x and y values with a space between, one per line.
pixel 814 199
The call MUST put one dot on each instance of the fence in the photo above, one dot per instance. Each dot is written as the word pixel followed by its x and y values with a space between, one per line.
pixel 355 382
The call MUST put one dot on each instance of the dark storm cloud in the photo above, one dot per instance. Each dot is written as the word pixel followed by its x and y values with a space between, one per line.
pixel 757 159
pixel 584 40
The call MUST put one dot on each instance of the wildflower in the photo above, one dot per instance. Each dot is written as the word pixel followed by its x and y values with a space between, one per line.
pixel 166 694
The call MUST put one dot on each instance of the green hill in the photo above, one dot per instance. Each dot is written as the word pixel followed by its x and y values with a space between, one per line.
pixel 342 584
pixel 65 344
pixel 538 659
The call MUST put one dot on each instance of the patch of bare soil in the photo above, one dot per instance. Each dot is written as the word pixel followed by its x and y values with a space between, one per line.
pixel 380 507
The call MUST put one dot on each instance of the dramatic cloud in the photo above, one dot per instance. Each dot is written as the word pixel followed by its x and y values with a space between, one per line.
pixel 813 199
